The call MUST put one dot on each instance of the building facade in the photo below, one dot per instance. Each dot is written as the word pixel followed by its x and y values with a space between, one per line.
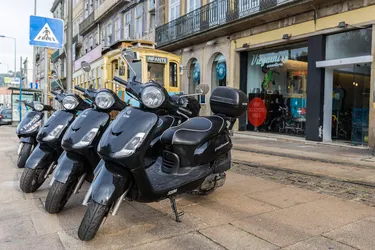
pixel 306 66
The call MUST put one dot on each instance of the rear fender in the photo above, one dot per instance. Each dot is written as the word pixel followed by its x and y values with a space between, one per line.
pixel 107 186
pixel 68 164
pixel 41 157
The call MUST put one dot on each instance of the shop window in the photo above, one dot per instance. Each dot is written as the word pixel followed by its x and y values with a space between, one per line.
pixel 276 86
pixel 219 72
pixel 155 72
pixel 173 75
pixel 195 79
pixel 349 44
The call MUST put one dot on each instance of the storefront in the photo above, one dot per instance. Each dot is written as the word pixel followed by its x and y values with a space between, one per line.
pixel 276 88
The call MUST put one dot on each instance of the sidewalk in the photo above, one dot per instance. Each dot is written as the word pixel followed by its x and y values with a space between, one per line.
pixel 246 213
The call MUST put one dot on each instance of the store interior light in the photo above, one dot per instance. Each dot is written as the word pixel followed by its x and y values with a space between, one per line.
pixel 287 36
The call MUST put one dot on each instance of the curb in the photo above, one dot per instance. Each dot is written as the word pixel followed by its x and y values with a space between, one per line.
pixel 292 171
pixel 300 157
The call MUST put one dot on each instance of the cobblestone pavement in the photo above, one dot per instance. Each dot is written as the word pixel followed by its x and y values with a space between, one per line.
pixel 248 212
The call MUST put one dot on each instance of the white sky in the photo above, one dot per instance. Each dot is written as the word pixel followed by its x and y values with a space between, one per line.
pixel 14 22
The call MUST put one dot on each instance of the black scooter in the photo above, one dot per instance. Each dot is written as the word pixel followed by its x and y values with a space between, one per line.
pixel 79 144
pixel 43 159
pixel 196 157
pixel 81 140
pixel 28 128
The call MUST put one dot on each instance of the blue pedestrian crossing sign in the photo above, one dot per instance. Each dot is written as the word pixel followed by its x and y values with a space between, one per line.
pixel 46 32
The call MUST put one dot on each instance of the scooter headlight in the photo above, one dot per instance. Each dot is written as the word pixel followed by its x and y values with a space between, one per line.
pixel 152 97
pixel 55 133
pixel 70 102
pixel 38 106
pixel 104 100
pixel 131 146
pixel 87 139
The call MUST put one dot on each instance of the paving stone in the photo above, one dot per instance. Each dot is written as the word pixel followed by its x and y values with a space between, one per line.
pixel 234 238
pixel 193 241
pixel 10 192
pixel 45 223
pixel 46 242
pixel 319 243
pixel 16 228
pixel 291 225
pixel 360 234
pixel 286 196
pixel 19 208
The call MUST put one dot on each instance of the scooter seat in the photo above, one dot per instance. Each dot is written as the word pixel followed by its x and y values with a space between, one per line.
pixel 194 131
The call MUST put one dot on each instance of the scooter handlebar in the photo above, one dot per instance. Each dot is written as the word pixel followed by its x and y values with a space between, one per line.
pixel 80 88
pixel 120 80
pixel 54 92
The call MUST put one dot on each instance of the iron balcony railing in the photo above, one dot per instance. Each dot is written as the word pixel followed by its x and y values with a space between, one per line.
pixel 212 15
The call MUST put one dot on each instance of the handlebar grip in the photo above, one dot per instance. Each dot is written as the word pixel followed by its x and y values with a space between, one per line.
pixel 54 92
pixel 80 88
pixel 119 80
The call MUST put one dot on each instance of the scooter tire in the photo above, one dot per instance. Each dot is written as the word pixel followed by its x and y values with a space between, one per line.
pixel 59 194
pixel 32 179
pixel 92 220
pixel 24 155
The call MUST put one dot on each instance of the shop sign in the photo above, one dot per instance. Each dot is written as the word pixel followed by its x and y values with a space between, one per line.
pixel 156 59
pixel 256 112
pixel 271 60
pixel 221 70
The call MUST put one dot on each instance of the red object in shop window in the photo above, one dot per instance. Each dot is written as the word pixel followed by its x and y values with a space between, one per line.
pixel 257 112
pixel 302 111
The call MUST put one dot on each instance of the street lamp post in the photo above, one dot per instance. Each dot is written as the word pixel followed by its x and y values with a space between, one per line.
pixel 15 68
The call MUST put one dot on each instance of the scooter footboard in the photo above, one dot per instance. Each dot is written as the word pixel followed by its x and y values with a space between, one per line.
pixel 108 186
pixel 68 164
pixel 41 157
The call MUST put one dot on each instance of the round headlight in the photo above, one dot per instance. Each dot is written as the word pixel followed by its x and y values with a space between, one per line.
pixel 152 97
pixel 38 106
pixel 70 102
pixel 104 100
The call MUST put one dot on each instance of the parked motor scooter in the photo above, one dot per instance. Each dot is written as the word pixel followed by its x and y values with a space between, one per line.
pixel 196 157
pixel 43 159
pixel 81 140
pixel 28 128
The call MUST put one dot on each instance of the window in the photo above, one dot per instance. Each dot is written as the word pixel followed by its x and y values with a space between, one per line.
pixel 96 39
pixel 152 21
pixel 174 10
pixel 103 37
pixel 155 72
pixel 128 20
pixel 109 33
pixel 91 42
pixel 151 4
pixel 173 75
pixel 86 8
pixel 87 45
pixel 138 21
pixel 118 29
pixel 193 5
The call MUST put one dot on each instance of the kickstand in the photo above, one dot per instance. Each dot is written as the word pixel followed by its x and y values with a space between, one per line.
pixel 174 208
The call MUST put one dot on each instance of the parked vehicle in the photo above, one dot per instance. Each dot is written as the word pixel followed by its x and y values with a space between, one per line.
pixel 82 137
pixel 28 129
pixel 196 156
pixel 5 116
pixel 286 122
pixel 43 159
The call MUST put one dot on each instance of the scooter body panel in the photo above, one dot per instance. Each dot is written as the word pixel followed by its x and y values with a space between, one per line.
pixel 41 157
pixel 60 118
pixel 68 163
pixel 29 126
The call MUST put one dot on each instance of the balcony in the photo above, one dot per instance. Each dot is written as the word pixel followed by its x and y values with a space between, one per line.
pixel 218 18
pixel 87 24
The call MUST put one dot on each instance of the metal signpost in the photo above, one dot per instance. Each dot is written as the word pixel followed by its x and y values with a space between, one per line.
pixel 48 33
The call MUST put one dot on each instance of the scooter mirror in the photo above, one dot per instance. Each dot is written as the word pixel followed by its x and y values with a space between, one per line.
pixel 85 66
pixel 130 55
pixel 202 89
pixel 54 75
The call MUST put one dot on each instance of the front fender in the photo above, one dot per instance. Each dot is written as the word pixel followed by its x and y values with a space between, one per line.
pixel 68 164
pixel 107 186
pixel 41 157
pixel 30 140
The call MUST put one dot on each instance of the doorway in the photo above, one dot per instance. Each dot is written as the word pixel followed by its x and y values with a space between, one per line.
pixel 346 104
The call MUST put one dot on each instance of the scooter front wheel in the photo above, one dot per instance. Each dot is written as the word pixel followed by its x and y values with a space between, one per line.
pixel 32 179
pixel 92 220
pixel 24 155
pixel 59 194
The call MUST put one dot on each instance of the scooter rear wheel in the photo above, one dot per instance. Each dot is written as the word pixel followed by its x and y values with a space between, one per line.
pixel 59 194
pixel 32 179
pixel 24 155
pixel 92 220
